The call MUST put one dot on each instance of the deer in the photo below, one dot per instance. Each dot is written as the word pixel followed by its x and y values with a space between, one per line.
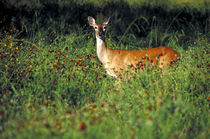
pixel 117 61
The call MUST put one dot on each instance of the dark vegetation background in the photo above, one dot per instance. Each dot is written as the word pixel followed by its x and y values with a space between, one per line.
pixel 66 17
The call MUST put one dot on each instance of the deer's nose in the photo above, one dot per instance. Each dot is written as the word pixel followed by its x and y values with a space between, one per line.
pixel 101 33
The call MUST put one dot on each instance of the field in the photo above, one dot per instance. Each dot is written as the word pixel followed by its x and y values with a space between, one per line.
pixel 52 84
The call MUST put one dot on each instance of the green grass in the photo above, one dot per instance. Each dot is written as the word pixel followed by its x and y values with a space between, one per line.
pixel 55 87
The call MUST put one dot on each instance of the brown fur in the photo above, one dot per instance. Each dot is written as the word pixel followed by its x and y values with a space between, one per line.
pixel 117 61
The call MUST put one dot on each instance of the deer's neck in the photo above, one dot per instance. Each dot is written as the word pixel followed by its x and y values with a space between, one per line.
pixel 101 49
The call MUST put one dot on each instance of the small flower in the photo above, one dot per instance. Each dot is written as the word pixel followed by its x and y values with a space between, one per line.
pixel 100 78
pixel 55 66
pixel 79 61
pixel 149 107
pixel 16 48
pixel 68 111
pixel 94 106
pixel 54 81
pixel 11 44
pixel 131 66
pixel 82 126
pixel 50 51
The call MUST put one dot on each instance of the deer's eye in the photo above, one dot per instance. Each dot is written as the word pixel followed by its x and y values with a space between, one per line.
pixel 104 28
pixel 96 27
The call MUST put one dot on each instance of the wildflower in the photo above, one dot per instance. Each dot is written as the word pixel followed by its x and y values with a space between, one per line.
pixel 66 48
pixel 54 81
pixel 11 44
pixel 33 47
pixel 16 48
pixel 54 106
pixel 149 107
pixel 72 60
pixel 58 63
pixel 55 66
pixel 131 65
pixel 68 111
pixel 88 37
pixel 50 51
pixel 82 126
pixel 79 61
pixel 161 54
pixel 100 78
pixel 94 106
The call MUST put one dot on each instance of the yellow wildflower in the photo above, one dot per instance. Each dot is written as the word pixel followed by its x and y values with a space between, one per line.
pixel 11 44
pixel 16 48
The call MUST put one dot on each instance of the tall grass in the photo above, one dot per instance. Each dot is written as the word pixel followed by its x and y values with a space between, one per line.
pixel 53 86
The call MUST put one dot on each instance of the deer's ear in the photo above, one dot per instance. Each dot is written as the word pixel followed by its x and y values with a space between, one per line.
pixel 91 21
pixel 107 21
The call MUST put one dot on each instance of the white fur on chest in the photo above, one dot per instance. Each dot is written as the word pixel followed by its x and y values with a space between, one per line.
pixel 102 55
pixel 101 50
pixel 99 46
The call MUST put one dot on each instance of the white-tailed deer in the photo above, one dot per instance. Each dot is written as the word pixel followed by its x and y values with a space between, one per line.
pixel 117 61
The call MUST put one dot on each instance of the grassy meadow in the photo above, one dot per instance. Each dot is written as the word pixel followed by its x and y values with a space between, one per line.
pixel 52 84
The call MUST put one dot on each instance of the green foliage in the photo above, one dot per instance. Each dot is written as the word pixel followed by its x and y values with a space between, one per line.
pixel 53 86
